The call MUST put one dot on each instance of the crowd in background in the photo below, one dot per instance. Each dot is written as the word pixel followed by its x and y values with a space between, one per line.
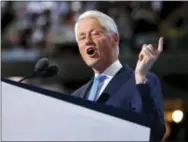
pixel 43 24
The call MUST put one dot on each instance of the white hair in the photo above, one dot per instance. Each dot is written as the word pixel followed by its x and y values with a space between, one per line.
pixel 106 21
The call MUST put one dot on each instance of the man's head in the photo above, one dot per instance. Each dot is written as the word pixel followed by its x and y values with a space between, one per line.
pixel 98 39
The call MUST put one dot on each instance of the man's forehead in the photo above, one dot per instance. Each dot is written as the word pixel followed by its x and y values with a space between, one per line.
pixel 89 23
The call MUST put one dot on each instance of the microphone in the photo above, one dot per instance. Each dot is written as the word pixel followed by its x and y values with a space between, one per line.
pixel 40 67
pixel 52 71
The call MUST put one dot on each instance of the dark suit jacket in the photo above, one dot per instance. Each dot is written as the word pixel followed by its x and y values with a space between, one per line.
pixel 122 92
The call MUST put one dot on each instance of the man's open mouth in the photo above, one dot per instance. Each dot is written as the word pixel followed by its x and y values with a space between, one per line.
pixel 91 51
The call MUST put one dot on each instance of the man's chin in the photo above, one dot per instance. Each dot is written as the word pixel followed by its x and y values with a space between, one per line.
pixel 93 64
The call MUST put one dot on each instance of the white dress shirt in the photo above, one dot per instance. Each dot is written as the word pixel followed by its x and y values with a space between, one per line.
pixel 110 72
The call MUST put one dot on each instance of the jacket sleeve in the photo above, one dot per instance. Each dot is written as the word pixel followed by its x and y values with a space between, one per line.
pixel 157 115
pixel 152 101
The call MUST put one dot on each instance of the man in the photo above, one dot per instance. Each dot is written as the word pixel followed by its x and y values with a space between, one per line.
pixel 98 41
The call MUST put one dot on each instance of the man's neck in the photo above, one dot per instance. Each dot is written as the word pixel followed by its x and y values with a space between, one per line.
pixel 102 69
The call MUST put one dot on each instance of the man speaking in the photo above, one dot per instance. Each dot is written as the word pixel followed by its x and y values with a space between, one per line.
pixel 98 41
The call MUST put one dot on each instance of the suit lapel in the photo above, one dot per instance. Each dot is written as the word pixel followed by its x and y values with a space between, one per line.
pixel 117 81
pixel 86 89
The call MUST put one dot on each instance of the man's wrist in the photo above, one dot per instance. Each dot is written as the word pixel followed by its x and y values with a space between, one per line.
pixel 140 78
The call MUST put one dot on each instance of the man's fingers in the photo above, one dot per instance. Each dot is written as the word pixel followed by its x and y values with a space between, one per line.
pixel 141 56
pixel 149 52
pixel 160 45
pixel 145 55
pixel 150 49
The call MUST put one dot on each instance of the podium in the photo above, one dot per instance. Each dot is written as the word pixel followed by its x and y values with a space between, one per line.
pixel 30 113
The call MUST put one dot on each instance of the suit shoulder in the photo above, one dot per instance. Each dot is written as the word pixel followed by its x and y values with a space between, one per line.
pixel 153 77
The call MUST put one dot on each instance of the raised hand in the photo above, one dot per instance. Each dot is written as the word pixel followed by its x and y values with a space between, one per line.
pixel 146 58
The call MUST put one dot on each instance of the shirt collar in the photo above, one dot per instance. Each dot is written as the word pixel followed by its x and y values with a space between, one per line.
pixel 112 69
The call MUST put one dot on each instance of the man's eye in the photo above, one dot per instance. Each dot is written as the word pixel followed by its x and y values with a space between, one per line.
pixel 82 37
pixel 95 33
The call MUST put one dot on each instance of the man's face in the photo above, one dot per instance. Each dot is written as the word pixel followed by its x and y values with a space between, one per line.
pixel 96 45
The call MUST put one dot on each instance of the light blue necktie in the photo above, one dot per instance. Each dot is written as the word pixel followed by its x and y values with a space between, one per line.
pixel 96 87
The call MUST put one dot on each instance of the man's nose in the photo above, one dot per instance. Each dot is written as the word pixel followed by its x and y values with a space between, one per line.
pixel 89 40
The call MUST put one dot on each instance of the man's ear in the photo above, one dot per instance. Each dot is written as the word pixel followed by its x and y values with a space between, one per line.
pixel 115 38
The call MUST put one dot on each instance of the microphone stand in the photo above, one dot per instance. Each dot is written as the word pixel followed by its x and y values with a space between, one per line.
pixel 41 66
pixel 50 72
pixel 26 77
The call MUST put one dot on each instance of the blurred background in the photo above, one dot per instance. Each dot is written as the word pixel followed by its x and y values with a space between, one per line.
pixel 33 30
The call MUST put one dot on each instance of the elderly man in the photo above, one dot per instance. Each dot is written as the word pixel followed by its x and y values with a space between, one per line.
pixel 135 90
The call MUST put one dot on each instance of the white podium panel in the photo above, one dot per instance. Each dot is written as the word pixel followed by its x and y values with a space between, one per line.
pixel 31 116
